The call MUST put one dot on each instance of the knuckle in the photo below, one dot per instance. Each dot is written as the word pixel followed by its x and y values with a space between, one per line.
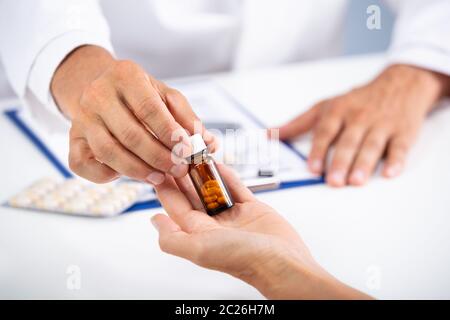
pixel 366 158
pixel 131 137
pixel 165 129
pixel 400 146
pixel 322 104
pixel 159 161
pixel 343 156
pixel 74 129
pixel 175 97
pixel 359 118
pixel 348 141
pixel 337 107
pixel 85 112
pixel 75 162
pixel 374 144
pixel 124 68
pixel 323 132
pixel 173 94
pixel 381 127
pixel 105 152
pixel 319 149
pixel 147 109
pixel 93 95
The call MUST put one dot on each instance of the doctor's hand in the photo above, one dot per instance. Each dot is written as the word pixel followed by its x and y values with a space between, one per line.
pixel 380 119
pixel 124 122
pixel 250 241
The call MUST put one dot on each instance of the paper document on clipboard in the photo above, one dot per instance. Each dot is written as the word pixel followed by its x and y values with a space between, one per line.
pixel 219 110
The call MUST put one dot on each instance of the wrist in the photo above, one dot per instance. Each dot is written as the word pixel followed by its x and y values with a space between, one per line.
pixel 426 86
pixel 82 66
pixel 289 275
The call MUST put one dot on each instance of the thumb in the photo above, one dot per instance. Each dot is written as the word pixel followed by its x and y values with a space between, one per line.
pixel 172 239
pixel 301 124
pixel 163 224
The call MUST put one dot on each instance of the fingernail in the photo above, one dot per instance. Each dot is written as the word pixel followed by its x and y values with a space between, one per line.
pixel 393 170
pixel 181 150
pixel 156 178
pixel 153 221
pixel 316 165
pixel 358 176
pixel 178 170
pixel 337 178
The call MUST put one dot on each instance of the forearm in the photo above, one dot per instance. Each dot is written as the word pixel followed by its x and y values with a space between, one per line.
pixel 75 73
pixel 288 277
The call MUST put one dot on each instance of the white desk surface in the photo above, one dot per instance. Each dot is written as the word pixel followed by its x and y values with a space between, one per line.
pixel 398 230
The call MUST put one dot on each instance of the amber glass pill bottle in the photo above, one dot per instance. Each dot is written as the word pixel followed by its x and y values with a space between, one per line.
pixel 206 178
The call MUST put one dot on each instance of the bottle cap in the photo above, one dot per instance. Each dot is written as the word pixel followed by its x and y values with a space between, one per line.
pixel 197 143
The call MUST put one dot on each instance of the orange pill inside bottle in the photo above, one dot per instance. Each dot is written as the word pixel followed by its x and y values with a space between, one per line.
pixel 206 178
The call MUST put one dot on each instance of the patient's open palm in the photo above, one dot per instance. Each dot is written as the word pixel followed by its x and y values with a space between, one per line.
pixel 249 233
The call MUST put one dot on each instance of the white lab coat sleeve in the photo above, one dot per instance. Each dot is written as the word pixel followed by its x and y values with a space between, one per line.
pixel 421 35
pixel 35 37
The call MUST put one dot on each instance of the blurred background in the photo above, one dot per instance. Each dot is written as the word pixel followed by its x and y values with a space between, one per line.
pixel 357 38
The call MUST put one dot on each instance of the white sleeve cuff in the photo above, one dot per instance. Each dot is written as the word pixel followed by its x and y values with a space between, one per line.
pixel 421 34
pixel 38 96
pixel 423 56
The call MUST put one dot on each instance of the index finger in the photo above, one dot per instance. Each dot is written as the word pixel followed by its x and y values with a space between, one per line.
pixel 145 102
pixel 301 124
pixel 183 113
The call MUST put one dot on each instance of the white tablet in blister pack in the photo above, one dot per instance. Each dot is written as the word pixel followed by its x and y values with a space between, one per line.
pixel 73 196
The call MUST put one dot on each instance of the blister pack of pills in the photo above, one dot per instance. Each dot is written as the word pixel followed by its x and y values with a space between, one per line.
pixel 76 197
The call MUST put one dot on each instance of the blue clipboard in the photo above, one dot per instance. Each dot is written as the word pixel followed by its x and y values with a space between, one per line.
pixel 13 115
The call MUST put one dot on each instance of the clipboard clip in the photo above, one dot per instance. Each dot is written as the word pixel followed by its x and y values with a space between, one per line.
pixel 262 184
